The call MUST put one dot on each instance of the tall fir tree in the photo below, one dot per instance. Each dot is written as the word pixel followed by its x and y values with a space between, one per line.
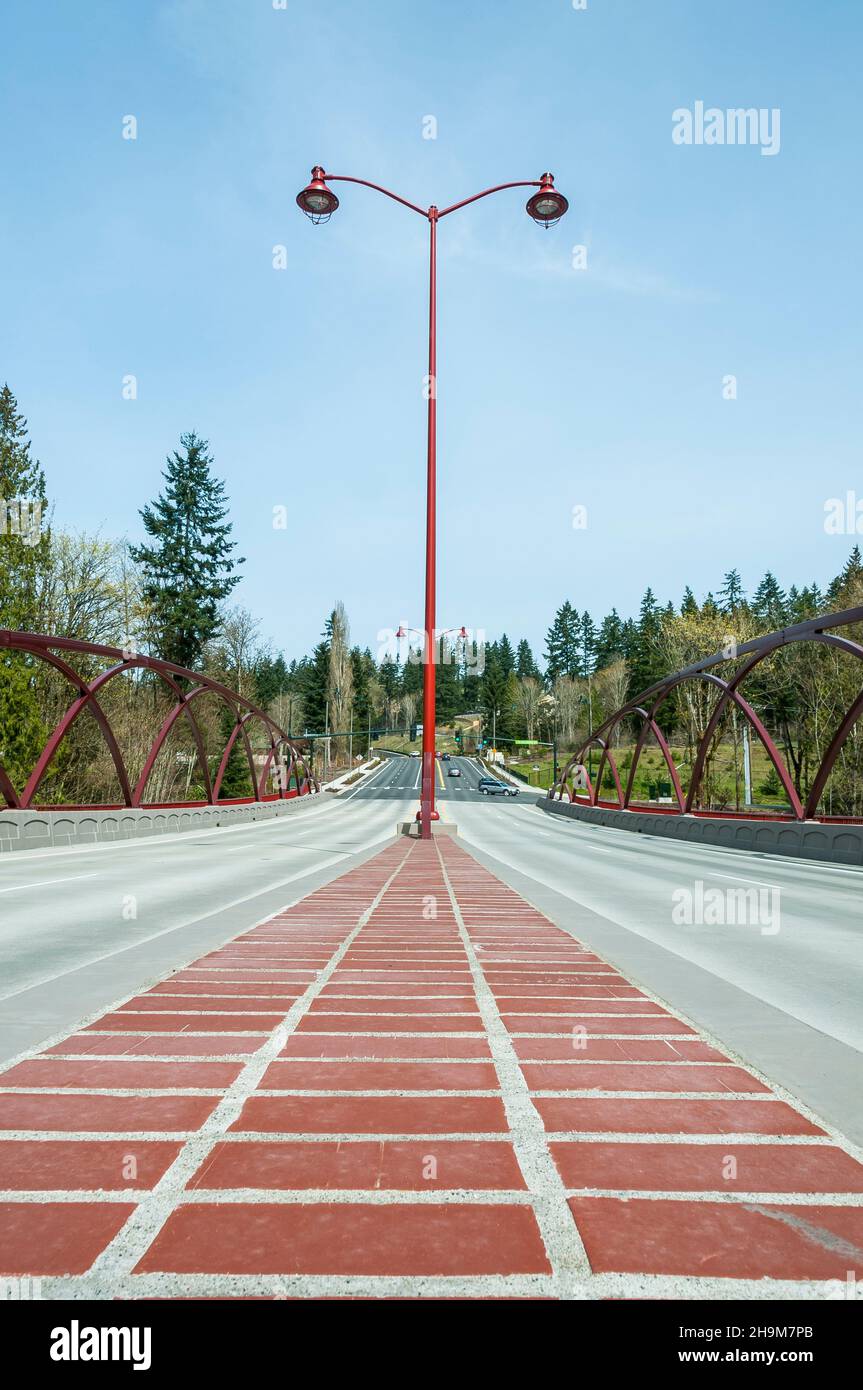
pixel 506 655
pixel 770 604
pixel 609 641
pixel 732 596
pixel 24 555
pixel 24 537
pixel 846 589
pixel 562 646
pixel 645 663
pixel 188 567
pixel 525 665
pixel 588 637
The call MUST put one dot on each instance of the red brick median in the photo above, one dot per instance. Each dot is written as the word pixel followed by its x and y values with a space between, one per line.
pixel 412 1083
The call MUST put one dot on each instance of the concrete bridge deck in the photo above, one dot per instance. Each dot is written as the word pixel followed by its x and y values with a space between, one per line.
pixel 412 1083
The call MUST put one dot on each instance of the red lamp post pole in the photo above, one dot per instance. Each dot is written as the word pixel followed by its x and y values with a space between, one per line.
pixel 427 806
pixel 547 206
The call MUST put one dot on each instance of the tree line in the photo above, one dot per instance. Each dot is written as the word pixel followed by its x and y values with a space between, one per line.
pixel 170 596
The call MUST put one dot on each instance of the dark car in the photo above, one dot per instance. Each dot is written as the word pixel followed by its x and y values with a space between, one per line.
pixel 490 786
pixel 444 757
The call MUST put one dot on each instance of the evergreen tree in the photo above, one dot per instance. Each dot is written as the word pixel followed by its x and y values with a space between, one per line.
pixel 389 677
pixel 610 640
pixel 24 540
pixel 525 664
pixel 24 553
pixel 188 567
pixel 314 688
pixel 731 595
pixel 588 637
pixel 645 663
pixel 236 781
pixel 562 644
pixel 846 588
pixel 769 604
pixel 496 700
pixel 271 679
pixel 447 686
pixel 506 655
pixel 689 606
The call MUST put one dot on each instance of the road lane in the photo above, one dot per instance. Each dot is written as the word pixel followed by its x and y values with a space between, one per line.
pixel 73 942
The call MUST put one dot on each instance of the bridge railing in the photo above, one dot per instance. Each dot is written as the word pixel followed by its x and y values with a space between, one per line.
pixel 645 710
pixel 185 690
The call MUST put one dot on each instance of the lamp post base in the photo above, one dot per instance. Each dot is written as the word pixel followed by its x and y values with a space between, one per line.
pixel 413 828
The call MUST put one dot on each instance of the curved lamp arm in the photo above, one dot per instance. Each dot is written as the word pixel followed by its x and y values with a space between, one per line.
pixel 346 178
pixel 523 183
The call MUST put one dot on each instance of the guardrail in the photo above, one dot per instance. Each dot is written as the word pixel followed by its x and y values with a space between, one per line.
pixel 294 777
pixel 646 706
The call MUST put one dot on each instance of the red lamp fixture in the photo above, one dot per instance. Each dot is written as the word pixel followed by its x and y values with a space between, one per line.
pixel 317 201
pixel 547 206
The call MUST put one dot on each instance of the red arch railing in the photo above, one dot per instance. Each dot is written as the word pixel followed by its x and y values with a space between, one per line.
pixel 645 707
pixel 293 768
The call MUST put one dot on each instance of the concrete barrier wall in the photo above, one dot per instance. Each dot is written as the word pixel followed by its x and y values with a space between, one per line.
pixel 22 830
pixel 837 844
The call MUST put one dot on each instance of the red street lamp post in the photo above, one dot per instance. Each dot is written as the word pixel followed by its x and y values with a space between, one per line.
pixel 546 207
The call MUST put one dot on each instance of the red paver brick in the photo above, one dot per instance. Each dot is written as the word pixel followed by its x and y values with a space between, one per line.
pixel 194 1023
pixel 126 1075
pixel 372 1115
pixel 615 1050
pixel 349 1239
pixel 421 1165
pixel 391 1023
pixel 521 1023
pixel 636 1116
pixel 713 1239
pixel 704 1167
pixel 46 1165
pixel 157 1045
pixel 583 1076
pixel 196 1003
pixel 566 1007
pixel 56 1238
pixel 379 1076
pixel 387 990
pixel 229 989
pixel 359 1045
pixel 464 1005
pixel 104 1113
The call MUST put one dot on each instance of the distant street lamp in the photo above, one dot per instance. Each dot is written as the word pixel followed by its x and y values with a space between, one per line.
pixel 546 207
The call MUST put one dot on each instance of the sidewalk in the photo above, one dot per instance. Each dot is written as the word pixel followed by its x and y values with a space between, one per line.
pixel 410 1084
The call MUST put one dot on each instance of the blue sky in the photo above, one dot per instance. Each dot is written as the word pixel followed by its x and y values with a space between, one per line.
pixel 557 387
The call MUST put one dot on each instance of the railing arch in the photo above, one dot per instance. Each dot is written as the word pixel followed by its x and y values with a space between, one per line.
pixel 46 648
pixel 646 705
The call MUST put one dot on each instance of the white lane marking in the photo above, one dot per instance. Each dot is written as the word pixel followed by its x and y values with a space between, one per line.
pixel 738 878
pixel 47 883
